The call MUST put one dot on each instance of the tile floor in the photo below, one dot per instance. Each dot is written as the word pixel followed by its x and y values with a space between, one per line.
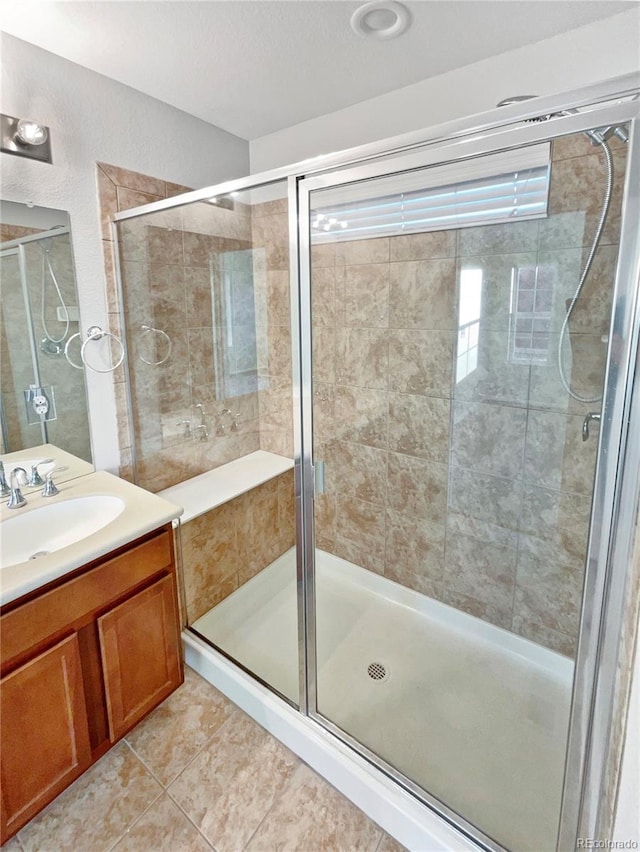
pixel 199 774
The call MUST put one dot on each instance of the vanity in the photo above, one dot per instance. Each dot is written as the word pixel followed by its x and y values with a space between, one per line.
pixel 89 632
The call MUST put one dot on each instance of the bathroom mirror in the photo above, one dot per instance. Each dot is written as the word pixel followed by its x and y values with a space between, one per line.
pixel 43 397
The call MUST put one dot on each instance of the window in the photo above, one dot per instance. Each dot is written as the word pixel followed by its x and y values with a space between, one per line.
pixel 487 190
pixel 532 289
pixel 468 322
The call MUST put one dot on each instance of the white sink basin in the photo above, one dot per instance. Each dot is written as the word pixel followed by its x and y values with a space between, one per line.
pixel 49 528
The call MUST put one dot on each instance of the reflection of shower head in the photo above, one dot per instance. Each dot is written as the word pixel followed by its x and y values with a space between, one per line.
pixel 596 136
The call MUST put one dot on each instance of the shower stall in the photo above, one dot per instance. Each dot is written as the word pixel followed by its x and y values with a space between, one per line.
pixel 431 340
pixel 39 315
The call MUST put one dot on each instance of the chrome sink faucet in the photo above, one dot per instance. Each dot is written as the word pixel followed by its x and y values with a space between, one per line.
pixel 17 478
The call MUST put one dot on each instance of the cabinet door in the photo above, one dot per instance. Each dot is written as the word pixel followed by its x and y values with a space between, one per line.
pixel 139 643
pixel 43 732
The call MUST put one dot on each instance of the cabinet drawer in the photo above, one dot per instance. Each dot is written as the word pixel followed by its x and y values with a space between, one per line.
pixel 78 600
pixel 43 751
pixel 141 658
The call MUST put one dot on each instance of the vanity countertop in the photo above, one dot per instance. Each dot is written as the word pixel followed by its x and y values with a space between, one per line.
pixel 74 465
pixel 142 513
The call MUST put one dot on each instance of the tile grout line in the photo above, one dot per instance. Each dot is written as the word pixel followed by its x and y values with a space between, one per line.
pixel 277 799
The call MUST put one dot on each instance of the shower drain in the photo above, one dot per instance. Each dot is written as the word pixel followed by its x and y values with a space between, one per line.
pixel 377 671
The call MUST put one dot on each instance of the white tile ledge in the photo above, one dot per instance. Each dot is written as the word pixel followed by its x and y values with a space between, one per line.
pixel 209 490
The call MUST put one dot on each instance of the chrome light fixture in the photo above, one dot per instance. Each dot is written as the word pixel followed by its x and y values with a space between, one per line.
pixel 25 138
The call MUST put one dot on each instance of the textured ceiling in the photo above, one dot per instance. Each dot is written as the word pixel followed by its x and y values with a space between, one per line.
pixel 255 66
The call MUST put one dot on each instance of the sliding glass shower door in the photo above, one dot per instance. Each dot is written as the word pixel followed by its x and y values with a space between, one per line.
pixel 459 352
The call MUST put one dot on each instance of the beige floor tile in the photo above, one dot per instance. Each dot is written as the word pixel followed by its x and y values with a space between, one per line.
pixel 163 828
pixel 97 809
pixel 12 845
pixel 232 783
pixel 312 816
pixel 176 730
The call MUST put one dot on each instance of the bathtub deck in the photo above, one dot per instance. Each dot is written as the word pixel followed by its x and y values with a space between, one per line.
pixel 475 715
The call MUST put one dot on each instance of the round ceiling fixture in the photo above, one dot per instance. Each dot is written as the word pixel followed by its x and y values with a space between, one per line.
pixel 381 19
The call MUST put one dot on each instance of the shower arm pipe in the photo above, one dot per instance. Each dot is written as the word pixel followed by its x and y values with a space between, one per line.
pixel 617 92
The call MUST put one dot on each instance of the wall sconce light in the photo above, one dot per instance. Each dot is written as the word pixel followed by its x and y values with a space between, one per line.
pixel 25 138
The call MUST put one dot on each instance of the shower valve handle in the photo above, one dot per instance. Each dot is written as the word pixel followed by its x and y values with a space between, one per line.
pixel 591 415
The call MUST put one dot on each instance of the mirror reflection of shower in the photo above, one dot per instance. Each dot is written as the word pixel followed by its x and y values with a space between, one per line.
pixel 598 137
pixel 50 344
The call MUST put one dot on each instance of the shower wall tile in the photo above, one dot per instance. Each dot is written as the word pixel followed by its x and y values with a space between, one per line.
pixel 547 595
pixel 557 519
pixel 362 357
pixel 325 522
pixel 555 455
pixel 133 180
pixel 497 378
pixel 411 553
pixel 418 488
pixel 423 295
pixel 129 198
pixel 498 239
pixel 488 531
pixel 497 275
pixel 323 297
pixel 362 251
pixel 420 362
pixel 419 426
pixel 356 470
pixel 360 533
pixel 198 303
pixel 324 410
pixel 489 439
pixel 584 361
pixel 226 546
pixel 481 571
pixel 324 354
pixel 365 295
pixel 492 612
pixel 423 246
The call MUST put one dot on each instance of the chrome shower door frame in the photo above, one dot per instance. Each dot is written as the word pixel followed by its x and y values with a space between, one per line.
pixel 611 528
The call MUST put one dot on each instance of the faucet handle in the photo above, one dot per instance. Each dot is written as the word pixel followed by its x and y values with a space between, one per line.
pixel 50 488
pixel 17 478
pixel 34 476
pixel 187 428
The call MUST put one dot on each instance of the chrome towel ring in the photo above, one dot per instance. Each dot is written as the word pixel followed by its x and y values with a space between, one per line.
pixel 93 333
pixel 149 328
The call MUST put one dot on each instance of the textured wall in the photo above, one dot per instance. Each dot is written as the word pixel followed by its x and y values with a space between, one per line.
pixel 477 491
pixel 93 118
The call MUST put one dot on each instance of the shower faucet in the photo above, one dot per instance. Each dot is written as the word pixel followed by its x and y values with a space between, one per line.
pixel 591 415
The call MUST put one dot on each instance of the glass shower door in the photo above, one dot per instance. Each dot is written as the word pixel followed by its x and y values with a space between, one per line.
pixel 456 400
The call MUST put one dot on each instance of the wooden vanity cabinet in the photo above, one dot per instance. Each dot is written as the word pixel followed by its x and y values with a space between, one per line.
pixel 81 662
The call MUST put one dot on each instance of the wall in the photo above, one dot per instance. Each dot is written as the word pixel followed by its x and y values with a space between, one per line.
pixel 588 54
pixel 226 547
pixel 475 490
pixel 95 119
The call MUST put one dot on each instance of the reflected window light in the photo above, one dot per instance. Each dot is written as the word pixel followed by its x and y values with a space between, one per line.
pixel 532 292
pixel 469 313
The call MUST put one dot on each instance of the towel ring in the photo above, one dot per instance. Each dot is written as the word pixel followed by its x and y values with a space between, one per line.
pixel 96 333
pixel 66 351
pixel 145 330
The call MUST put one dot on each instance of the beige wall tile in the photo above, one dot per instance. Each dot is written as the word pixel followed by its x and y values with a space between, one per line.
pixel 365 295
pixel 548 595
pixel 107 200
pixel 133 180
pixel 423 295
pixel 425 246
pixel 418 488
pixel 361 416
pixel 129 198
pixel 420 362
pixel 360 533
pixel 488 439
pixel 419 426
pixel 362 357
pixel 362 251
pixel 357 470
